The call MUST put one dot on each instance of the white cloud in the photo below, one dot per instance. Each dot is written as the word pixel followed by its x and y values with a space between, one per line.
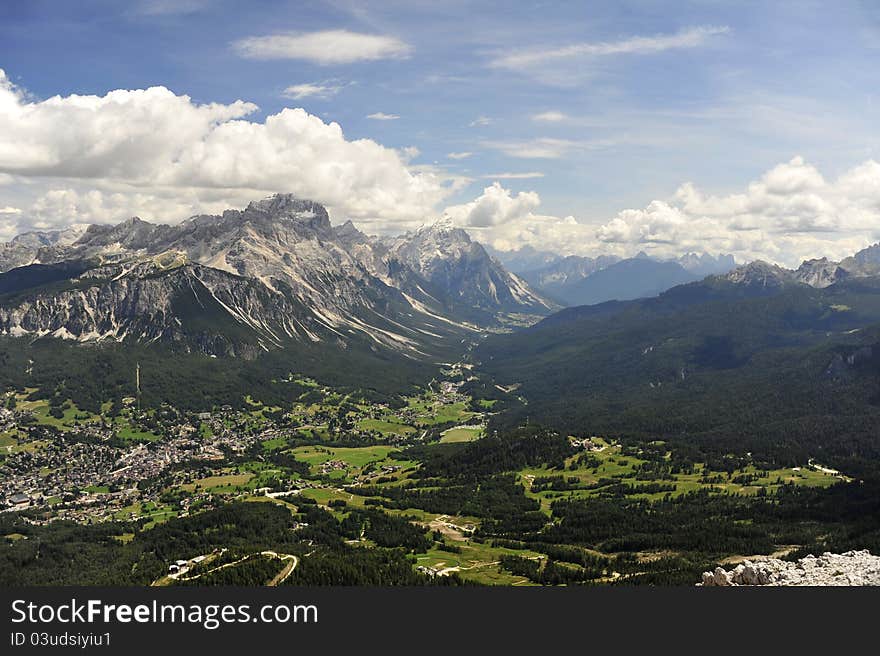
pixel 687 38
pixel 513 176
pixel 10 210
pixel 312 90
pixel 541 148
pixel 495 206
pixel 59 208
pixel 163 146
pixel 382 116
pixel 789 214
pixel 551 116
pixel 461 155
pixel 325 48
pixel 170 7
pixel 480 121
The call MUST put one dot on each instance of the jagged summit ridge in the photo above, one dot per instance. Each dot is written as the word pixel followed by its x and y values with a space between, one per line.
pixel 759 274
pixel 314 281
pixel 446 256
pixel 818 272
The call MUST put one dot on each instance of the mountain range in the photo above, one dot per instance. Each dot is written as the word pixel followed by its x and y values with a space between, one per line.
pixel 767 360
pixel 274 274
pixel 578 280
pixel 278 286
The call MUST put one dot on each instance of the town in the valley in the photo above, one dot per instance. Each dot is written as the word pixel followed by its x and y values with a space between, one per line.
pixel 161 463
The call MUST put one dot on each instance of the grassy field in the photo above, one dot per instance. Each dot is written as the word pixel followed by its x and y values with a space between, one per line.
pixel 155 513
pixel 28 447
pixel 614 465
pixel 130 434
pixel 476 562
pixel 431 412
pixel 275 443
pixel 385 427
pixel 325 495
pixel 40 410
pixel 354 457
pixel 461 435
pixel 219 483
pixel 15 537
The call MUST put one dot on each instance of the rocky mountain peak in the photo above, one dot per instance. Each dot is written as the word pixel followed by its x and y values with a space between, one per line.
pixel 40 238
pixel 819 272
pixel 349 233
pixel 867 258
pixel 705 264
pixel 759 273
pixel 281 207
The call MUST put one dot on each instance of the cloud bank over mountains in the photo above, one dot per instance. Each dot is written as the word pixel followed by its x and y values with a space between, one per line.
pixel 154 151
pixel 156 154
pixel 790 213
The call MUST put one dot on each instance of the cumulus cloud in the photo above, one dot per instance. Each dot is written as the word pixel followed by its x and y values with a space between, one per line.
pixel 163 145
pixel 791 213
pixel 325 48
pixel 382 116
pixel 59 208
pixel 496 205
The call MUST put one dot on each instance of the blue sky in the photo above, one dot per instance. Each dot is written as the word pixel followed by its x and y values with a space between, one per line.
pixel 606 106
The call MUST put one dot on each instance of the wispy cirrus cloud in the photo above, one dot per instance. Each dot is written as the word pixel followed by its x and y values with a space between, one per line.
pixel 636 45
pixel 461 155
pixel 382 116
pixel 513 176
pixel 542 148
pixel 327 47
pixel 170 7
pixel 546 147
pixel 551 116
pixel 480 121
pixel 320 90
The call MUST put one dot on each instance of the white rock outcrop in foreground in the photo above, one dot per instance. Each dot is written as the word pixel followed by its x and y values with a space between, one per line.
pixel 850 568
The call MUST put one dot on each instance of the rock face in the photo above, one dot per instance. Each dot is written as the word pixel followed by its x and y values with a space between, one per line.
pixel 277 270
pixel 447 258
pixel 567 271
pixel 760 274
pixel 853 568
pixel 818 273
pixel 26 249
pixel 703 264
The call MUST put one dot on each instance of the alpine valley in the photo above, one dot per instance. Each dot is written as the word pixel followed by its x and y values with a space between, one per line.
pixel 264 398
